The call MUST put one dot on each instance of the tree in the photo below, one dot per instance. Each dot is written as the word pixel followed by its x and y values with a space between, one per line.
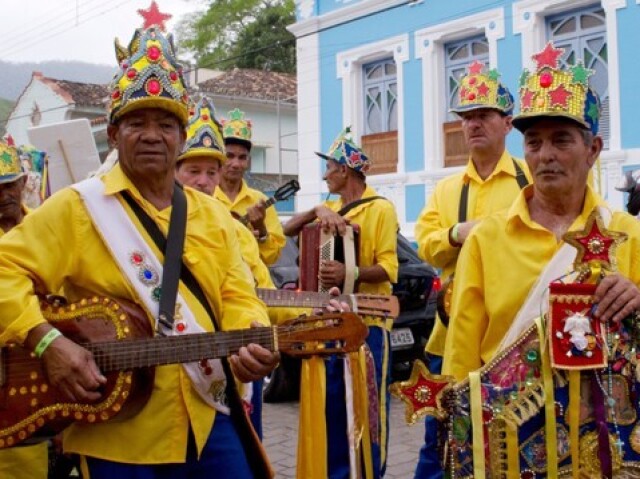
pixel 241 33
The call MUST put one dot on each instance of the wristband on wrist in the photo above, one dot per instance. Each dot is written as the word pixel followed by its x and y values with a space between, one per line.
pixel 356 274
pixel 46 341
pixel 454 234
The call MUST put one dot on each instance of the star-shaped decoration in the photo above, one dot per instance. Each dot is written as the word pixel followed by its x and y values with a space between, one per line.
pixel 593 111
pixel 580 74
pixel 503 101
pixel 229 130
pixel 236 114
pixel 153 17
pixel 548 57
pixel 483 90
pixel 493 74
pixel 559 96
pixel 6 158
pixel 527 99
pixel 475 68
pixel 354 157
pixel 422 393
pixel 10 141
pixel 524 76
pixel 596 245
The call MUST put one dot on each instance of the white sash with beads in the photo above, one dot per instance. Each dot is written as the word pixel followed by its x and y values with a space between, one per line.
pixel 143 270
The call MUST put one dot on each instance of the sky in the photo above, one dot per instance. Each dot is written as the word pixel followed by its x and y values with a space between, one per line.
pixel 84 30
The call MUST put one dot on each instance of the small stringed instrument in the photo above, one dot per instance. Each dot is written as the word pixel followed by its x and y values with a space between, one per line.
pixel 364 304
pixel 121 338
pixel 283 193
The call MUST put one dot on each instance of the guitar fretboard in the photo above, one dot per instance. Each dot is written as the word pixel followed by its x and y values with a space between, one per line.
pixel 300 299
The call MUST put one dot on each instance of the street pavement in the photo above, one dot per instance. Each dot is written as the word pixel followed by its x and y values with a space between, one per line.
pixel 280 430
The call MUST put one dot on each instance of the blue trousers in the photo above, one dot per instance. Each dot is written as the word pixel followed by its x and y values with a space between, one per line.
pixel 429 465
pixel 222 458
pixel 256 407
pixel 336 409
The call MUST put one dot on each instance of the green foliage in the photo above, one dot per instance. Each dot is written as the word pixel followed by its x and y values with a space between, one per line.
pixel 241 33
pixel 5 109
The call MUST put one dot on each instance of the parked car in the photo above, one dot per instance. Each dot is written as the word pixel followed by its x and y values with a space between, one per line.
pixel 416 290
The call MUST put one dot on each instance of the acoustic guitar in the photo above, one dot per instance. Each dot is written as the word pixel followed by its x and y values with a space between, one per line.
pixel 360 303
pixel 120 336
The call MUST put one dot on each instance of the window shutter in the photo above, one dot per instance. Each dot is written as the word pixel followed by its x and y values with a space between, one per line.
pixel 456 152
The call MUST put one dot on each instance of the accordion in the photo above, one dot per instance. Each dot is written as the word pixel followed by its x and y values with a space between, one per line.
pixel 317 246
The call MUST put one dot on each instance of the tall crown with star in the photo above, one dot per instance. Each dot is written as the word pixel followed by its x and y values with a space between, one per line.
pixel 10 165
pixel 149 76
pixel 204 136
pixel 479 89
pixel 553 91
pixel 236 129
pixel 344 151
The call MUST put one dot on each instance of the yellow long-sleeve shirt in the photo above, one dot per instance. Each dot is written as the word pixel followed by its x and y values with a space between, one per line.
pixel 498 265
pixel 29 461
pixel 58 246
pixel 487 196
pixel 247 197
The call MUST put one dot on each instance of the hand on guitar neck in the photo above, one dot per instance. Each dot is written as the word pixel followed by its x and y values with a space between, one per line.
pixel 253 362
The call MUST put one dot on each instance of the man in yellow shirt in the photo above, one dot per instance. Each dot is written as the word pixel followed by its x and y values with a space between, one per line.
pixel 508 253
pixel 324 443
pixel 236 194
pixel 489 183
pixel 184 429
pixel 31 461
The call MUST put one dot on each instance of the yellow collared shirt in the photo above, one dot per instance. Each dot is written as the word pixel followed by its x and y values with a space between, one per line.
pixel 498 265
pixel 378 224
pixel 59 245
pixel 247 197
pixel 486 197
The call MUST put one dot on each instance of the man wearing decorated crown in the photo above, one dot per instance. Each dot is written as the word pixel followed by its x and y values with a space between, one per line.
pixel 340 433
pixel 107 234
pixel 236 194
pixel 503 276
pixel 31 461
pixel 489 183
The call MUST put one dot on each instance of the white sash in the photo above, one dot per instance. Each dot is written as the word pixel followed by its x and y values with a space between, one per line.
pixel 537 302
pixel 143 270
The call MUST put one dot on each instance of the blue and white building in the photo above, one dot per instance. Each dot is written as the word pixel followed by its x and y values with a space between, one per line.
pixel 389 68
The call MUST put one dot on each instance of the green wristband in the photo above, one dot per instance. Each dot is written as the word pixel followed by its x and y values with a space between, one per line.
pixel 46 341
pixel 454 233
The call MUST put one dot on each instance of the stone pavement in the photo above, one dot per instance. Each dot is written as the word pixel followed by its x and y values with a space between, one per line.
pixel 280 429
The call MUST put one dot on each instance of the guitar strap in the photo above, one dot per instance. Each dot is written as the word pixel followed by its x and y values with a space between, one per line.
pixel 256 455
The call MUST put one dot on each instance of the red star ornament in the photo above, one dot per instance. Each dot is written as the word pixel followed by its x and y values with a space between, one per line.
pixel 527 99
pixel 548 57
pixel 483 90
pixel 153 17
pixel 475 68
pixel 559 96
pixel 422 393
pixel 596 245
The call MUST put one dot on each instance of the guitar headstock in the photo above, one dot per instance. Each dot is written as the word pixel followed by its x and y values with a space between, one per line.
pixel 287 190
pixel 378 305
pixel 321 335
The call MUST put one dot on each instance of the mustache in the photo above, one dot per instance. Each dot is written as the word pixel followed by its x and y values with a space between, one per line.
pixel 549 170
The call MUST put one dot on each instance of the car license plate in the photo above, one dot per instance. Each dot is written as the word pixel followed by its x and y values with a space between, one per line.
pixel 401 337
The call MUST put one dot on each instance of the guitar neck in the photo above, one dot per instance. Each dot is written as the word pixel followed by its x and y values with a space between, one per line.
pixel 122 355
pixel 298 299
pixel 244 219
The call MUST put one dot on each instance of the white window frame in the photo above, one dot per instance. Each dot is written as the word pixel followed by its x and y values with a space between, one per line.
pixel 429 46
pixel 529 20
pixel 349 65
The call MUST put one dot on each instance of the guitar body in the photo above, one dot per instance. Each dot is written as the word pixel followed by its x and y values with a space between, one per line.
pixel 31 410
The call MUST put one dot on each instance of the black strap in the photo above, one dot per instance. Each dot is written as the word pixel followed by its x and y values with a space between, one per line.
pixel 174 248
pixel 345 209
pixel 257 461
pixel 521 178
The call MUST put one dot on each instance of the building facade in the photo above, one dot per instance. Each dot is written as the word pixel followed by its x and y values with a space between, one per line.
pixel 390 69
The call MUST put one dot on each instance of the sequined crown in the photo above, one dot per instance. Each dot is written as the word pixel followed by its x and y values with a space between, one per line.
pixel 204 136
pixel 480 89
pixel 10 165
pixel 149 76
pixel 236 128
pixel 553 91
pixel 344 151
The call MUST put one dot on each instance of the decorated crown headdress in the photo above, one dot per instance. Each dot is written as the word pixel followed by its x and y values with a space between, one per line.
pixel 344 151
pixel 204 136
pixel 553 91
pixel 10 165
pixel 236 128
pixel 149 76
pixel 479 89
